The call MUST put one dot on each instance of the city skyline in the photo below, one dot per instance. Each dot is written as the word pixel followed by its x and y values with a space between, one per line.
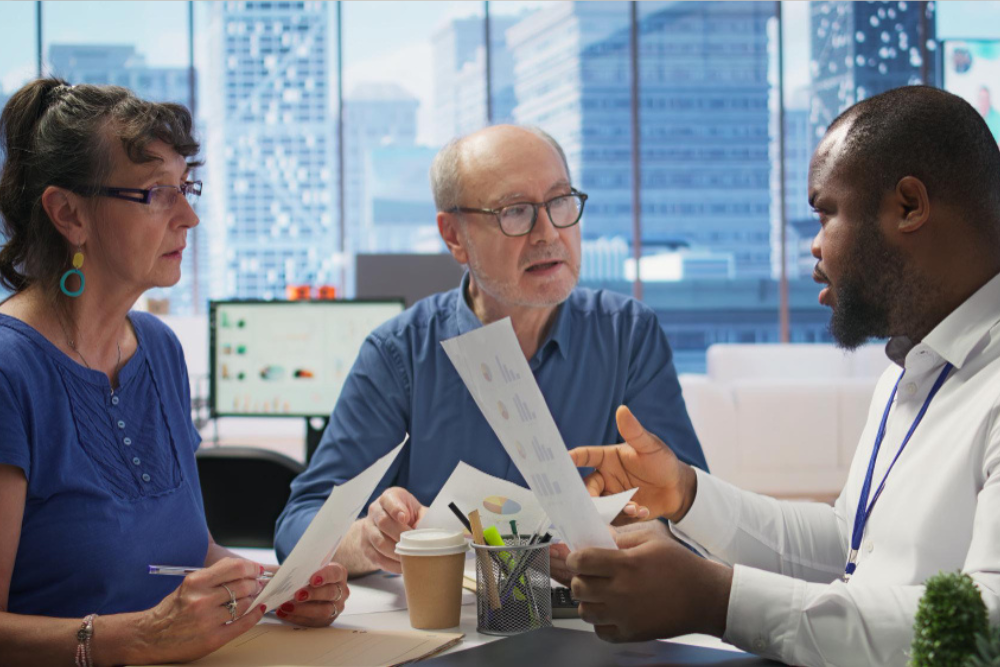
pixel 266 110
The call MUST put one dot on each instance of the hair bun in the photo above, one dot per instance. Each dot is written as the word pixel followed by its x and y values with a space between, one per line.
pixel 57 92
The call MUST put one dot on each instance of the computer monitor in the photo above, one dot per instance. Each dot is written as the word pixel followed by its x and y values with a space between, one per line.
pixel 378 275
pixel 286 358
pixel 972 71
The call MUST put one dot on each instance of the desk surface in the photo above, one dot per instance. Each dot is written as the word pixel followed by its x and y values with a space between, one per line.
pixel 378 602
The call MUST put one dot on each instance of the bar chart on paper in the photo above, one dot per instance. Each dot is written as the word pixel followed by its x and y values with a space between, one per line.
pixel 523 411
pixel 506 373
pixel 505 390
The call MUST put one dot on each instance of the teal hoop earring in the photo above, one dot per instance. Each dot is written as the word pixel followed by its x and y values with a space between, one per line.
pixel 77 264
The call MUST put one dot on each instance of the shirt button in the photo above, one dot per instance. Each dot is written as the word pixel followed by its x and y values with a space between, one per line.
pixel 128 442
pixel 135 460
pixel 114 400
pixel 911 388
pixel 759 644
pixel 870 546
pixel 121 424
pixel 145 477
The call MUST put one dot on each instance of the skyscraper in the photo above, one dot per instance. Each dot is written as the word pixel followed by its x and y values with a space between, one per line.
pixel 271 185
pixel 860 49
pixel 386 178
pixel 802 224
pixel 460 76
pixel 119 65
pixel 703 116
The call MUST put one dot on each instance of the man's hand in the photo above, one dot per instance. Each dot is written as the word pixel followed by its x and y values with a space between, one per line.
pixel 559 552
pixel 666 485
pixel 653 588
pixel 374 537
pixel 557 563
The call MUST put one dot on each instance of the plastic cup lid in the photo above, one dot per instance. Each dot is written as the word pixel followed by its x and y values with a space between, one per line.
pixel 431 542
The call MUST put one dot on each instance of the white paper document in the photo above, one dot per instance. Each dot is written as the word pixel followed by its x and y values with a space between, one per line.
pixel 493 367
pixel 323 536
pixel 499 502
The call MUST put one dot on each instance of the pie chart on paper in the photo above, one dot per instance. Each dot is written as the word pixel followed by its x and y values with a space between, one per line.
pixel 501 505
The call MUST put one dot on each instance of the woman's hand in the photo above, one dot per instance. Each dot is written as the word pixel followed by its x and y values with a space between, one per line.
pixel 194 620
pixel 321 601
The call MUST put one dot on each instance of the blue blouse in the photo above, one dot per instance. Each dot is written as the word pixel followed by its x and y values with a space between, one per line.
pixel 112 480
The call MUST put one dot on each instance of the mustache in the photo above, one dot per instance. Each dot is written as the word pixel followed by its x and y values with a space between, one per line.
pixel 819 276
pixel 546 257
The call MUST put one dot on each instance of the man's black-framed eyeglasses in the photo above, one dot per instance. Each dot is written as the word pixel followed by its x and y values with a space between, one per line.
pixel 159 198
pixel 519 218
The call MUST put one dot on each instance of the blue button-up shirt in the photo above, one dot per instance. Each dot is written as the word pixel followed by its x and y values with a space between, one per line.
pixel 603 350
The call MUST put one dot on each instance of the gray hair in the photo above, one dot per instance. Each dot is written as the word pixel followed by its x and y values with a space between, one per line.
pixel 446 170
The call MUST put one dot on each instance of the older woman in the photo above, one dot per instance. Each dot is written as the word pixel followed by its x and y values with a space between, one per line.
pixel 97 466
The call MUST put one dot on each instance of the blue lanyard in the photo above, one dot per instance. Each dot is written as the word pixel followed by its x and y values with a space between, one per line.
pixel 865 509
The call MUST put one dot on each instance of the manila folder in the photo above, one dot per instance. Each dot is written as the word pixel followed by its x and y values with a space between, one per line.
pixel 272 645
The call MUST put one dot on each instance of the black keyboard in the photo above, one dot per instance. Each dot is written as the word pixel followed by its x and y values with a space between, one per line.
pixel 563 604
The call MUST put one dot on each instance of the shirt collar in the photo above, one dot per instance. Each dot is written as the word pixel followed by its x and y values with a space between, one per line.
pixel 467 320
pixel 559 334
pixel 958 335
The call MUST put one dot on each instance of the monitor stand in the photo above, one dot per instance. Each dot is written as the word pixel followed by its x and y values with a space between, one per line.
pixel 315 426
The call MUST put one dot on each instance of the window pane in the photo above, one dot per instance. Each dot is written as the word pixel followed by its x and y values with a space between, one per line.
pixel 807 318
pixel 18 48
pixel 410 85
pixel 142 46
pixel 706 193
pixel 567 65
pixel 18 57
pixel 855 50
pixel 268 86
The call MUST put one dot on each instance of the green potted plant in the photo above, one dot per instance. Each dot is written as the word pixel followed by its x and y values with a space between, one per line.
pixel 987 650
pixel 949 617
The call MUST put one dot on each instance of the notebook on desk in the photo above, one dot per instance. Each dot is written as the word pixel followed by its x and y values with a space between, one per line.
pixel 557 647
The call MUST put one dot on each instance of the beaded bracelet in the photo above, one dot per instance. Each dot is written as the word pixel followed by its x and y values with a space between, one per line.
pixel 83 635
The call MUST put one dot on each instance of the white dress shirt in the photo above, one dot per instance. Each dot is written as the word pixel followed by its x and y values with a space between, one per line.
pixel 939 511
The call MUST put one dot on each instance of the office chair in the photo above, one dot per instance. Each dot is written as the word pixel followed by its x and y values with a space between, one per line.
pixel 245 489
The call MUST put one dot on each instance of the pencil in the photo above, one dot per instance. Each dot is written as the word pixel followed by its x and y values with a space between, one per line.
pixel 485 563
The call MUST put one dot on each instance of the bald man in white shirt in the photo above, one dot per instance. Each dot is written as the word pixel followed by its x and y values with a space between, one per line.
pixel 907 188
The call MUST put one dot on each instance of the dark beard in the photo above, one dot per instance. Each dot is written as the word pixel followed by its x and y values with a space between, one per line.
pixel 867 297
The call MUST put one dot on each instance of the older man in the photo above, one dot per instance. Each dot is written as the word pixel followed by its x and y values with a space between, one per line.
pixel 907 188
pixel 507 210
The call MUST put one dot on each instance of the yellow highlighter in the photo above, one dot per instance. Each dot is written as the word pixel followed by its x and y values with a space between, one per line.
pixel 492 537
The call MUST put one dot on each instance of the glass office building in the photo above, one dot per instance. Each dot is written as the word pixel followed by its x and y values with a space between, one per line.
pixel 271 186
pixel 264 79
pixel 860 49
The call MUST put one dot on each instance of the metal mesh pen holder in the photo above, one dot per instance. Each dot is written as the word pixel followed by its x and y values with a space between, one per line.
pixel 512 588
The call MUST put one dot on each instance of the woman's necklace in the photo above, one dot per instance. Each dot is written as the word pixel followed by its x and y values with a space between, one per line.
pixel 72 346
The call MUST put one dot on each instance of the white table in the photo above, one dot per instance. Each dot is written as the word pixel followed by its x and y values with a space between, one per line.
pixel 378 602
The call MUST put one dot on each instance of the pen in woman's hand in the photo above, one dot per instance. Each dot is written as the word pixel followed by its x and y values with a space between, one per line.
pixel 181 571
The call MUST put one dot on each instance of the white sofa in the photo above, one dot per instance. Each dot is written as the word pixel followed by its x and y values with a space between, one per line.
pixel 783 419
pixel 777 419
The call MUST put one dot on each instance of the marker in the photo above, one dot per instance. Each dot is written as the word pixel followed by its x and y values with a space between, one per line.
pixel 461 517
pixel 180 571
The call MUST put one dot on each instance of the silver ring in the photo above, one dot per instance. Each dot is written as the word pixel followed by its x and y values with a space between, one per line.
pixel 231 605
pixel 340 594
pixel 334 614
